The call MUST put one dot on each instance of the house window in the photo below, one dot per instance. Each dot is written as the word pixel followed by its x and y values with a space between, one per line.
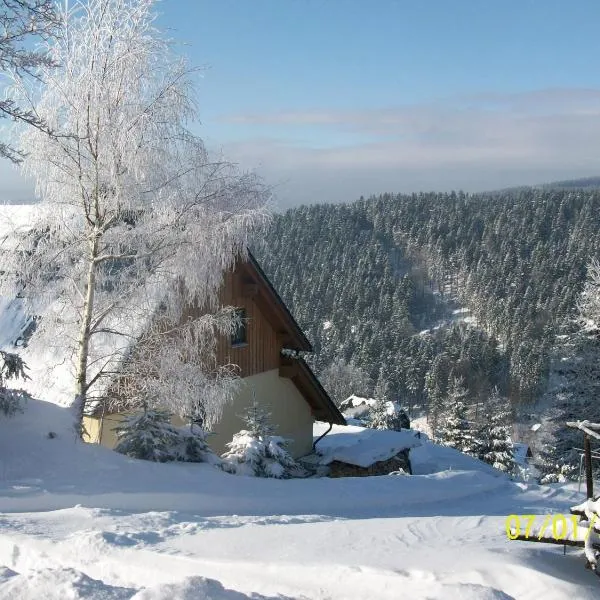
pixel 240 336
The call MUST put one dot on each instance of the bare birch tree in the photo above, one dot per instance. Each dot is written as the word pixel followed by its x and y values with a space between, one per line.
pixel 21 21
pixel 136 220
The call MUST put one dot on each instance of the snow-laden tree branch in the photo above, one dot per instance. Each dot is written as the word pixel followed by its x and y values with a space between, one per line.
pixel 176 368
pixel 135 219
pixel 20 22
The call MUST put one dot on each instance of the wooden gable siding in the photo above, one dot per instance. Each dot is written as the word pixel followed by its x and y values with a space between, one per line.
pixel 261 352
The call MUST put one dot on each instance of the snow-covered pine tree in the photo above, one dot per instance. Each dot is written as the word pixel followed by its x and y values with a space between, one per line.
pixel 148 436
pixel 151 436
pixel 493 434
pixel 455 430
pixel 139 219
pixel 553 468
pixel 256 451
pixel 11 367
pixel 574 388
pixel 436 387
pixel 378 417
pixel 385 413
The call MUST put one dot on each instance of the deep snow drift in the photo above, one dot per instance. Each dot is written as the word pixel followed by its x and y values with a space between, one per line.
pixel 80 521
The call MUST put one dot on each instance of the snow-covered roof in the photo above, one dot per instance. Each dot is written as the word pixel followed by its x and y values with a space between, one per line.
pixel 361 446
pixel 354 401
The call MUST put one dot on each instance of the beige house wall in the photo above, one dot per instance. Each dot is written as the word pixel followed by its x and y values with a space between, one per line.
pixel 99 430
pixel 290 414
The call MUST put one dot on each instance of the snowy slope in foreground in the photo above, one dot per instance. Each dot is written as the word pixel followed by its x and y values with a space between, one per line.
pixel 99 525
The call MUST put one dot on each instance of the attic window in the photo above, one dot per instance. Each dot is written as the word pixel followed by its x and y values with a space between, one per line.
pixel 239 337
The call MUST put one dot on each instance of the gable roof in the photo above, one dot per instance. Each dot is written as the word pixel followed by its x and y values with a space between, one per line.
pixel 293 338
pixel 273 307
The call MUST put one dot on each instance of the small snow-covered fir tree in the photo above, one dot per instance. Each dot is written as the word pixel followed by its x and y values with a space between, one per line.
pixel 496 446
pixel 256 451
pixel 151 436
pixel 11 367
pixel 385 413
pixel 456 431
pixel 436 387
pixel 378 414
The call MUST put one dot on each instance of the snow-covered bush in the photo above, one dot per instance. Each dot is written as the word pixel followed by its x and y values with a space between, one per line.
pixel 255 451
pixel 151 436
pixel 11 367
pixel 554 468
pixel 559 473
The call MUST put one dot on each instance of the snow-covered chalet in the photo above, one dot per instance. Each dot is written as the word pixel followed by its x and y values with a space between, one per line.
pixel 266 348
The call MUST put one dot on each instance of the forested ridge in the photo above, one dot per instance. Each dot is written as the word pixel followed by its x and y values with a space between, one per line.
pixel 365 279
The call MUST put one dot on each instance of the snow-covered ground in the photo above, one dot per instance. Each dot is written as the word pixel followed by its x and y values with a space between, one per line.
pixel 80 521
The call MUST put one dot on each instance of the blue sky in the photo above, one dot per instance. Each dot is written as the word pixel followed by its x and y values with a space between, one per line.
pixel 331 99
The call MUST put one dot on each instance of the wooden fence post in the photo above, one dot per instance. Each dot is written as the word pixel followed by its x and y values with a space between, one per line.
pixel 589 480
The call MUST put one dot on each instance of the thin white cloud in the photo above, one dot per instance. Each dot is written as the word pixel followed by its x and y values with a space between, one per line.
pixel 473 143
pixel 477 142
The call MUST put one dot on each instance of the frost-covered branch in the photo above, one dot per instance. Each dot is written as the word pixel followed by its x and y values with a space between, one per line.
pixel 21 22
pixel 178 370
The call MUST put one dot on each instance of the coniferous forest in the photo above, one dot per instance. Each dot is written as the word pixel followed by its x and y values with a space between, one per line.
pixel 407 292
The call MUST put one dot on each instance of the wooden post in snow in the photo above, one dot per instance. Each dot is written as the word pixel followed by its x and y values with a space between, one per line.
pixel 589 480
pixel 590 430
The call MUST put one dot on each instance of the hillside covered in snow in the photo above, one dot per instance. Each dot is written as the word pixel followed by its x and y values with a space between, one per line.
pixel 80 521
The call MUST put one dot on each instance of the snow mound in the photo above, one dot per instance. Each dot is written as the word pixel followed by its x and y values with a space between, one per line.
pixel 59 584
pixel 71 584
pixel 471 591
pixel 195 588
pixel 430 458
pixel 361 446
